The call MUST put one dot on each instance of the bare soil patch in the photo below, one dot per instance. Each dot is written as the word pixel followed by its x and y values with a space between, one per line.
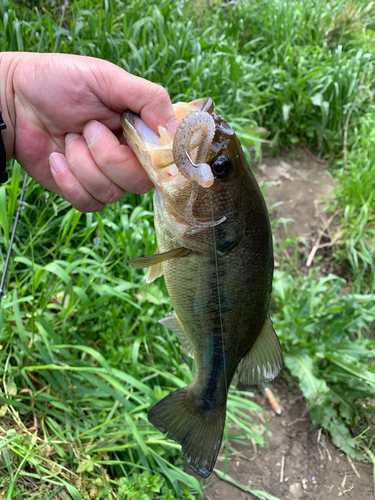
pixel 298 188
pixel 301 185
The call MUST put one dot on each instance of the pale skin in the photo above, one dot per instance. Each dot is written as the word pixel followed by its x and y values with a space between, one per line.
pixel 63 124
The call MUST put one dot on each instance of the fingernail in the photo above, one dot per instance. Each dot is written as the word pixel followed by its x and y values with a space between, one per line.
pixel 172 125
pixel 57 162
pixel 91 131
pixel 71 137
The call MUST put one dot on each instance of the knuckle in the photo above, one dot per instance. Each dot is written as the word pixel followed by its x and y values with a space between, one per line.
pixel 95 207
pixel 72 191
pixel 160 93
pixel 144 185
pixel 77 196
pixel 111 194
pixel 106 153
pixel 90 206
pixel 75 158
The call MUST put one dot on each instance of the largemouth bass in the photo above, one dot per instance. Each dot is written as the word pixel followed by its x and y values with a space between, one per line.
pixel 215 251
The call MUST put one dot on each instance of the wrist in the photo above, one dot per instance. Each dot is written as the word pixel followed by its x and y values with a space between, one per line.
pixel 7 67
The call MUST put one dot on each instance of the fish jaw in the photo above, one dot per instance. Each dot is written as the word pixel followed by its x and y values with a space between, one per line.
pixel 159 155
pixel 155 152
pixel 155 158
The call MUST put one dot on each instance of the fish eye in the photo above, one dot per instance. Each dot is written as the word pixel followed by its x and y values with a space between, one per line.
pixel 221 167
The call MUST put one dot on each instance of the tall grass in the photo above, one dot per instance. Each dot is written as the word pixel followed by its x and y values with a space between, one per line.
pixel 253 59
pixel 82 357
pixel 356 195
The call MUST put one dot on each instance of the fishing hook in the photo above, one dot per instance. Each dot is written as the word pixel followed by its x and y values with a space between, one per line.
pixel 189 158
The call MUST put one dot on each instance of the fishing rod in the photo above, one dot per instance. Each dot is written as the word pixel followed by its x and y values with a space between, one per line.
pixel 12 237
pixel 5 176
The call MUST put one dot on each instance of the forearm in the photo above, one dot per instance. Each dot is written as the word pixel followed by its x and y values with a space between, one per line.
pixel 8 62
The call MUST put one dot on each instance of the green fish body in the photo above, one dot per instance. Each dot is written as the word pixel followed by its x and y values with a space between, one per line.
pixel 215 251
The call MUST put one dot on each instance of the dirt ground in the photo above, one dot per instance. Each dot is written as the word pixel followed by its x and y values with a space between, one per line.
pixel 313 468
pixel 301 462
pixel 301 185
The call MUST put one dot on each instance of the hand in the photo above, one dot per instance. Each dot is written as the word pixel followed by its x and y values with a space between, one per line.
pixel 62 114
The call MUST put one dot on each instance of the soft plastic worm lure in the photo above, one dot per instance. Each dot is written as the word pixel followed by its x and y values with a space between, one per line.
pixel 193 123
pixel 200 173
pixel 188 212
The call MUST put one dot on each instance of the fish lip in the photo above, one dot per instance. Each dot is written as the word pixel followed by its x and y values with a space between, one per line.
pixel 138 128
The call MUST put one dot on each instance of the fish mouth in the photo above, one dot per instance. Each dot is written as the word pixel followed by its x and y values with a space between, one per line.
pixel 174 163
pixel 144 137
pixel 155 151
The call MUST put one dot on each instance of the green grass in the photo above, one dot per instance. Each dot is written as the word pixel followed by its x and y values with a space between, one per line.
pixel 82 356
pixel 325 331
pixel 356 174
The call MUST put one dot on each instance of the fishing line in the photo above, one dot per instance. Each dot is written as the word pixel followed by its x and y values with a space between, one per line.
pixel 218 293
pixel 5 270
pixel 12 237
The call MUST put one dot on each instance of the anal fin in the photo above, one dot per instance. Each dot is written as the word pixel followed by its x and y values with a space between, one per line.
pixel 173 322
pixel 263 361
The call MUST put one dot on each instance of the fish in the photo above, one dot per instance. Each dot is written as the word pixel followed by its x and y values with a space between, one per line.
pixel 214 248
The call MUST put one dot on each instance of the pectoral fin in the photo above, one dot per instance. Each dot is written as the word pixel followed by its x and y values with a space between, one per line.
pixel 142 262
pixel 264 360
pixel 173 322
pixel 154 271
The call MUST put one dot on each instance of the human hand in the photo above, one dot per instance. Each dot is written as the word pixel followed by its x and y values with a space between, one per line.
pixel 62 113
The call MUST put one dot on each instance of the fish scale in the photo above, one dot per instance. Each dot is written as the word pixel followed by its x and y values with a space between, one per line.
pixel 219 280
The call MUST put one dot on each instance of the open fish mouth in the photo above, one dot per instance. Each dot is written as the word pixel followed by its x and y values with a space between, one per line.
pixel 164 155
pixel 154 151
pixel 165 138
pixel 182 158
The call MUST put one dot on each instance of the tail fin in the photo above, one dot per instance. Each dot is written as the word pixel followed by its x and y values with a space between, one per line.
pixel 198 431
